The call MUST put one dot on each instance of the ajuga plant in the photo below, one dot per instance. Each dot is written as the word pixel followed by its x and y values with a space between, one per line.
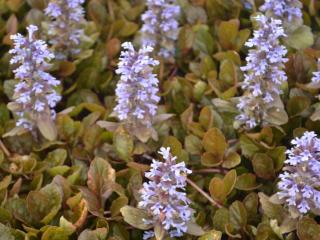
pixel 288 11
pixel 65 27
pixel 164 197
pixel 299 185
pixel 137 90
pixel 35 94
pixel 263 74
pixel 160 27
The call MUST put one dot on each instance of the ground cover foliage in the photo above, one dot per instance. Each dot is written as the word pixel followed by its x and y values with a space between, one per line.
pixel 77 172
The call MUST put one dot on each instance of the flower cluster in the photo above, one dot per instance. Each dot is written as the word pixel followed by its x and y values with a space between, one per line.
pixel 288 11
pixel 163 196
pixel 300 183
pixel 35 94
pixel 65 26
pixel 160 28
pixel 137 89
pixel 316 75
pixel 263 73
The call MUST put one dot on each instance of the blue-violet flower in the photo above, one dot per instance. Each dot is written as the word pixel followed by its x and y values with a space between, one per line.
pixel 316 75
pixel 299 185
pixel 137 89
pixel 164 197
pixel 160 26
pixel 288 11
pixel 263 74
pixel 35 95
pixel 65 27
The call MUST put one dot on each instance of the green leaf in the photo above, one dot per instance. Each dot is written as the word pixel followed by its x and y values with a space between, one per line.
pixel 117 204
pixel 204 41
pixel 97 234
pixel 123 144
pixel 194 229
pixel 174 144
pixel 227 33
pixel 246 182
pixel 210 160
pixel 263 166
pixel 221 188
pixel 297 105
pixel 273 211
pixel 47 127
pixel 248 146
pixel 212 235
pixel 6 233
pixel 193 144
pixel 55 233
pixel 206 117
pixel 44 204
pixel 301 38
pixel 101 178
pixel 221 218
pixel 231 160
pixel 215 142
pixel 135 216
pixel 238 215
pixel 308 229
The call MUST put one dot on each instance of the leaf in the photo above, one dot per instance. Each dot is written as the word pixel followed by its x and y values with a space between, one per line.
pixel 193 144
pixel 212 235
pixel 231 160
pixel 135 216
pixel 308 229
pixel 56 157
pixel 297 105
pixel 210 160
pixel 227 33
pixel 276 116
pixel 204 41
pixel 101 177
pixel 246 182
pixel 174 144
pixel 301 38
pixel 206 117
pixel 221 188
pixel 47 127
pixel 97 234
pixel 221 218
pixel 117 204
pixel 5 182
pixel 273 211
pixel 194 229
pixel 123 144
pixel 263 166
pixel 215 142
pixel 278 156
pixel 44 204
pixel 238 215
pixel 66 68
pixel 248 146
pixel 6 233
pixel 55 233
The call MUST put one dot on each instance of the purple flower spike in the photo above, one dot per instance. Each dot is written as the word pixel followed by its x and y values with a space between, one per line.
pixel 164 195
pixel 299 184
pixel 263 74
pixel 35 94
pixel 160 28
pixel 137 89
pixel 288 11
pixel 65 26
